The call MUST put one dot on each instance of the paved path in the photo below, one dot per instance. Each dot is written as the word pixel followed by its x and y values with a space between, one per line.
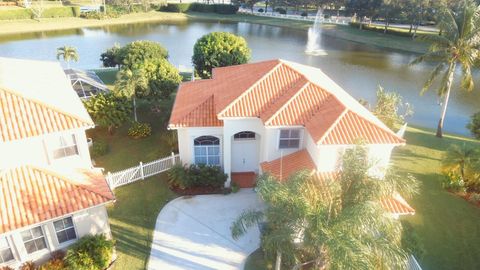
pixel 194 233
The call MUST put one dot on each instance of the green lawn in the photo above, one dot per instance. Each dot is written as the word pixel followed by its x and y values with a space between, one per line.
pixel 132 219
pixel 448 227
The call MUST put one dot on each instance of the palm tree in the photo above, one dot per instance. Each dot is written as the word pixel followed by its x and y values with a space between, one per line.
pixel 129 83
pixel 310 221
pixel 68 53
pixel 458 45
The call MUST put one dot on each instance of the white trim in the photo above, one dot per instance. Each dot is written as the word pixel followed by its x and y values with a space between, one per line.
pixel 68 242
pixel 33 239
pixel 300 139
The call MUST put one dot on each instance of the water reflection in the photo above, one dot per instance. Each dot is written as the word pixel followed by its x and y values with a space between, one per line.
pixel 356 67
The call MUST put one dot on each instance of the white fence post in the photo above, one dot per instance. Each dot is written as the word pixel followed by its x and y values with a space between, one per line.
pixel 109 179
pixel 141 171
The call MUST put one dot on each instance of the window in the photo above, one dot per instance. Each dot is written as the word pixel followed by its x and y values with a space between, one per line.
pixel 207 150
pixel 5 251
pixel 244 135
pixel 65 230
pixel 289 138
pixel 63 146
pixel 34 239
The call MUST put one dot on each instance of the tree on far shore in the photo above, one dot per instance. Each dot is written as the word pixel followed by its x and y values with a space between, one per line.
pixel 219 49
pixel 67 53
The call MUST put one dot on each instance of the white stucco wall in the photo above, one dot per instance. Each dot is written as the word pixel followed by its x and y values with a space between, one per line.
pixel 35 151
pixel 90 221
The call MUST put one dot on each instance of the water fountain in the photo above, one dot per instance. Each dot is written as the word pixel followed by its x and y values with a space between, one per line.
pixel 315 35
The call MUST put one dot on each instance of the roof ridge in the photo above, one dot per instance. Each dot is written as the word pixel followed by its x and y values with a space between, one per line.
pixel 41 103
pixel 65 179
pixel 244 93
pixel 290 100
pixel 333 125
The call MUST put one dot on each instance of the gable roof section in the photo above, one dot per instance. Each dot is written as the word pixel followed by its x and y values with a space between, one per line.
pixel 22 117
pixel 30 195
pixel 284 167
pixel 281 93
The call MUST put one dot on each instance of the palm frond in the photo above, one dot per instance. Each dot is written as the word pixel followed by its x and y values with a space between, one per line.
pixel 245 221
pixel 431 78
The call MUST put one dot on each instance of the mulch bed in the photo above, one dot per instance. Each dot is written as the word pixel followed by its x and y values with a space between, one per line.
pixel 200 190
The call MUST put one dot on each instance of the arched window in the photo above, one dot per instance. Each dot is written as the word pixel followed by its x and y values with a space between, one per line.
pixel 207 150
pixel 244 135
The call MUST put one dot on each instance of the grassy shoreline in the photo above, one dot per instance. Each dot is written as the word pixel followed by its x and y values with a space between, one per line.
pixel 10 28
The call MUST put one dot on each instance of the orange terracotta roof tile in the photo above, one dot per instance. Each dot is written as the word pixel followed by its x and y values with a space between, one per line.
pixel 280 93
pixel 301 160
pixel 282 168
pixel 30 195
pixel 22 117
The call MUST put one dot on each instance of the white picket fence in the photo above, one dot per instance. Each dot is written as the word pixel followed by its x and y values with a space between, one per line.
pixel 142 171
pixel 331 20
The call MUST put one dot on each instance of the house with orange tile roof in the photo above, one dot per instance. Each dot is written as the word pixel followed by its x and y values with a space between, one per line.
pixel 279 117
pixel 50 193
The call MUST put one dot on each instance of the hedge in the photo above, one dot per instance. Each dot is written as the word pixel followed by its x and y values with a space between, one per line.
pixel 381 29
pixel 53 12
pixel 197 7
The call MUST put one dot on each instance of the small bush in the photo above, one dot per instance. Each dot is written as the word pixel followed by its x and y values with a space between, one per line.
pixel 304 14
pixel 260 10
pixel 53 264
pixel 140 130
pixel 453 181
pixel 28 266
pixel 99 148
pixel 91 252
pixel 281 11
pixel 474 125
pixel 474 198
pixel 196 176
pixel 59 12
pixel 197 7
pixel 179 8
pixel 225 9
pixel 235 187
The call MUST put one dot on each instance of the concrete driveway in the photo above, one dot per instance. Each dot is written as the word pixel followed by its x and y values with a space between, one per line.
pixel 194 233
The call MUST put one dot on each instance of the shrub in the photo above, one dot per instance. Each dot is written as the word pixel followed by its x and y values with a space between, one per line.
pixel 99 148
pixel 225 9
pixel 140 130
pixel 196 176
pixel 474 125
pixel 28 266
pixel 172 7
pixel 281 10
pixel 138 51
pixel 304 14
pixel 16 14
pixel 235 187
pixel 261 10
pixel 108 110
pixel 109 57
pixel 91 252
pixel 53 264
pixel 198 7
pixel 453 181
pixel 171 140
pixel 58 12
pixel 474 198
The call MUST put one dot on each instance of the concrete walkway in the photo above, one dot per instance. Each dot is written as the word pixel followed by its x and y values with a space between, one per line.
pixel 194 233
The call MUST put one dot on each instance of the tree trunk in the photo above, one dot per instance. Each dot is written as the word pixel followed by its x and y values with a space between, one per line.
pixel 451 71
pixel 386 24
pixel 266 6
pixel 278 261
pixel 135 109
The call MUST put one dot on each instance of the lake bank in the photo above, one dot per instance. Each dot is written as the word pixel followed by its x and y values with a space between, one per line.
pixel 339 31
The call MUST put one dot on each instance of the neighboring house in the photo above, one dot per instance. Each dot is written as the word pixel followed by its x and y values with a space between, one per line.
pixel 50 194
pixel 85 82
pixel 279 117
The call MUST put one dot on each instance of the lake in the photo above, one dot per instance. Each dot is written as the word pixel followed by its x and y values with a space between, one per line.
pixel 358 68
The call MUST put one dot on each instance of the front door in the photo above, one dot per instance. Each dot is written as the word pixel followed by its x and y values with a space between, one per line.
pixel 245 151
